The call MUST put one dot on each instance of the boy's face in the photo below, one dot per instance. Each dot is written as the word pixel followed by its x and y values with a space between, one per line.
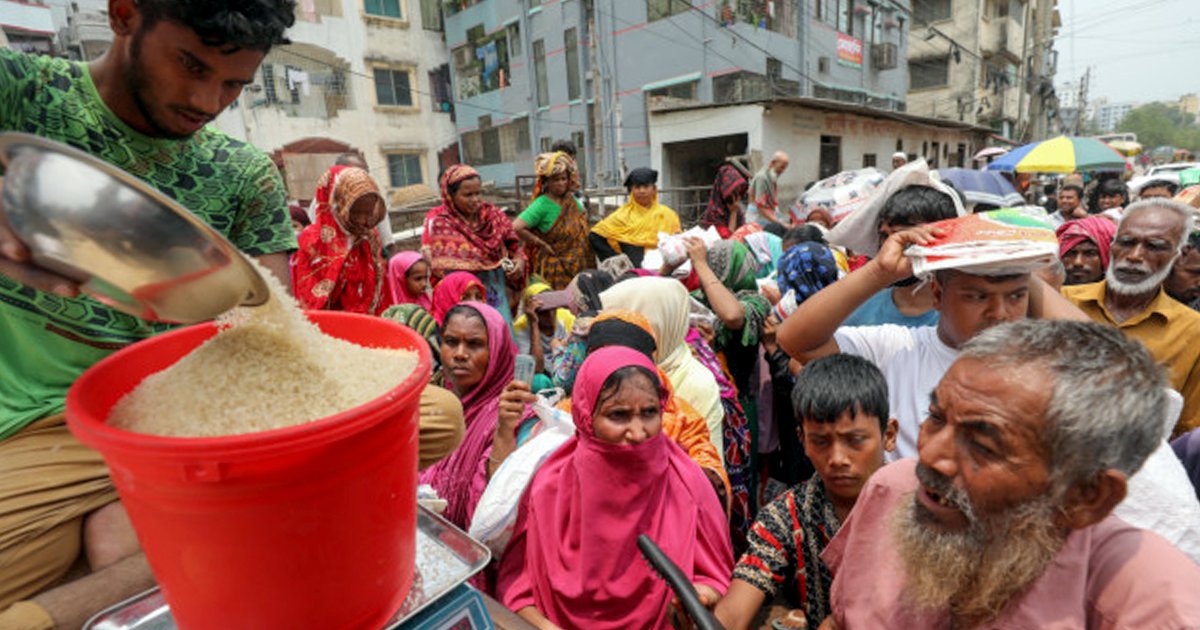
pixel 847 452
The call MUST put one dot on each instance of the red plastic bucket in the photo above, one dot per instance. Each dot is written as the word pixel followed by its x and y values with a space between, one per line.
pixel 311 526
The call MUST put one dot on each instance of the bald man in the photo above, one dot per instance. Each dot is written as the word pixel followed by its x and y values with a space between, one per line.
pixel 762 190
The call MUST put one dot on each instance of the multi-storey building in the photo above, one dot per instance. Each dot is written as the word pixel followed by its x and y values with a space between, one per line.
pixel 361 76
pixel 529 72
pixel 988 62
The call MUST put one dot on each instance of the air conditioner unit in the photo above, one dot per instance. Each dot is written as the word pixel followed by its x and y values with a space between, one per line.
pixel 463 56
pixel 884 56
pixel 823 64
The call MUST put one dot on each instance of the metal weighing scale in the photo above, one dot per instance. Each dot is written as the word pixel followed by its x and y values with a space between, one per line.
pixel 440 599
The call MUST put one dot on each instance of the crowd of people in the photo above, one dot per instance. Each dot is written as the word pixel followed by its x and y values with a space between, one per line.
pixel 815 436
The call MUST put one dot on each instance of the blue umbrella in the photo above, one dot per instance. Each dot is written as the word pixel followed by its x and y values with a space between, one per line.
pixel 987 187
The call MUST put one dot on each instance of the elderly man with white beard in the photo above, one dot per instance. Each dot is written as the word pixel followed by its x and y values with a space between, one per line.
pixel 1004 520
pixel 1149 239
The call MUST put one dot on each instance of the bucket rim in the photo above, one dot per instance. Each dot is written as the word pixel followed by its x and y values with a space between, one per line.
pixel 97 433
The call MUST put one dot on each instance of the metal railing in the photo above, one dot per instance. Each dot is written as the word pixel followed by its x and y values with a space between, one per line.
pixel 688 202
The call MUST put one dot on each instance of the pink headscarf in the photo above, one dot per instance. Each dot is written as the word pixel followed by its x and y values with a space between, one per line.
pixel 574 552
pixel 461 477
pixel 1097 229
pixel 398 268
pixel 449 292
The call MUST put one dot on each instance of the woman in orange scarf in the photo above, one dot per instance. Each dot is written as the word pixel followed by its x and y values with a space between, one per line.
pixel 339 265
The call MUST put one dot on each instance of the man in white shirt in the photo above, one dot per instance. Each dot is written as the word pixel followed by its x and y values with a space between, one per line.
pixel 913 360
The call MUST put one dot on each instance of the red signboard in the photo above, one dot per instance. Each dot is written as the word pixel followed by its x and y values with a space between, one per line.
pixel 850 51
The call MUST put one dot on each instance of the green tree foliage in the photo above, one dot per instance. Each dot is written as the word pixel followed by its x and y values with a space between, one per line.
pixel 1158 124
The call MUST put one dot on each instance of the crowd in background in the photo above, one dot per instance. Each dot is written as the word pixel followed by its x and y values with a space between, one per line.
pixel 734 402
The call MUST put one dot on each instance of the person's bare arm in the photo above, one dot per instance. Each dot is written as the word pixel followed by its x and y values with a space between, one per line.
pixel 735 209
pixel 277 264
pixel 535 617
pixel 527 236
pixel 807 333
pixel 740 605
pixel 724 303
pixel 1045 302
pixel 535 334
pixel 71 604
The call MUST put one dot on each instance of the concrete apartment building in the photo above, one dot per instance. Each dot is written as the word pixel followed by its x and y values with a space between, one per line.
pixel 361 76
pixel 527 73
pixel 987 62
pixel 1107 116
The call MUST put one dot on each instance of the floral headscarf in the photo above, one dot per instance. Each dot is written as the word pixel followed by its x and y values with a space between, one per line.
pixel 338 267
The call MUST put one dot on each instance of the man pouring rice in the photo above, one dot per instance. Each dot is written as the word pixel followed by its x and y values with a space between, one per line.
pixel 142 107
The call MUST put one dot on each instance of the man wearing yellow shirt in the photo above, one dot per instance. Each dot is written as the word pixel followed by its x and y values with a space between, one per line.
pixel 1131 297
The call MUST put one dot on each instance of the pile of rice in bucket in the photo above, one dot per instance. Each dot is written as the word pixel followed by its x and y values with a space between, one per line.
pixel 269 367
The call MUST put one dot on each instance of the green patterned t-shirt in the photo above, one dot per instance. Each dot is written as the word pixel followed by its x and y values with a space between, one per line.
pixel 47 341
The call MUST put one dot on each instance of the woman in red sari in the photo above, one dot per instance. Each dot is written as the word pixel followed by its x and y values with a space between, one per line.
pixel 466 233
pixel 339 265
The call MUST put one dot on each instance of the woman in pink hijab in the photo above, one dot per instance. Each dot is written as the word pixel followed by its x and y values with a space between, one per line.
pixel 478 352
pixel 573 558
pixel 408 279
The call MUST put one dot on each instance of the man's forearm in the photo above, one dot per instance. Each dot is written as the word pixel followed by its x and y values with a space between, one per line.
pixel 1045 302
pixel 71 604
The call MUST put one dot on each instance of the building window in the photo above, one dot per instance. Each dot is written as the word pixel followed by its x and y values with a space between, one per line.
pixel 868 160
pixel 514 39
pixel 481 65
pixel 393 87
pixel 928 73
pixel 439 85
pixel 404 169
pixel 431 15
pixel 831 156
pixel 658 9
pixel 384 8
pixel 521 135
pixel 926 11
pixel 571 41
pixel 268 79
pixel 539 68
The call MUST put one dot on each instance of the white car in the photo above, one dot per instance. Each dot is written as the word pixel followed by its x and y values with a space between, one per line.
pixel 1169 172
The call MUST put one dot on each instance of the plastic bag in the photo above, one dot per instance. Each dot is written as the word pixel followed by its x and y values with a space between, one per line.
pixel 999 242
pixel 674 250
pixel 496 514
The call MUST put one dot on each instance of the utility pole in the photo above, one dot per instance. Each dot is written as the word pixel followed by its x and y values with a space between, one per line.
pixel 599 108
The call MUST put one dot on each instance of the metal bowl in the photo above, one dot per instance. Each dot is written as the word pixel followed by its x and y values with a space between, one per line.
pixel 127 244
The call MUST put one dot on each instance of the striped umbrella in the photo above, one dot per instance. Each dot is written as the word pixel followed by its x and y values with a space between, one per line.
pixel 1061 155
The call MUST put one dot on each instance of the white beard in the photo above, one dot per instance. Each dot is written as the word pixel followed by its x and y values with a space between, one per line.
pixel 1143 287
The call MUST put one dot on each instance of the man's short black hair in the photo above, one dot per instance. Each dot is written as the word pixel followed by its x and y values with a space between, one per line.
pixel 771 227
pixel 1075 187
pixel 916 205
pixel 1113 187
pixel 943 276
pixel 566 146
pixel 838 384
pixel 242 24
pixel 1171 186
pixel 803 234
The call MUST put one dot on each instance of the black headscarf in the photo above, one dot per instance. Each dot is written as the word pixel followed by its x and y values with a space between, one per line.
pixel 587 287
pixel 616 332
pixel 640 177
